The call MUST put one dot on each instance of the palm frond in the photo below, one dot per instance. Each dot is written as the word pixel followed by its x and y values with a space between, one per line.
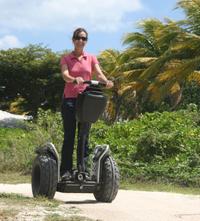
pixel 133 86
pixel 175 88
pixel 195 76
pixel 156 66
pixel 132 75
pixel 192 11
pixel 149 26
pixel 137 39
pixel 158 91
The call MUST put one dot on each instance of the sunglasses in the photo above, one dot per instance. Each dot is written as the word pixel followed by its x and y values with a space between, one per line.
pixel 81 38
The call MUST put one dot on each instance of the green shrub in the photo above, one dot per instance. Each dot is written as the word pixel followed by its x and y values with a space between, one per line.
pixel 16 149
pixel 161 147
pixel 17 146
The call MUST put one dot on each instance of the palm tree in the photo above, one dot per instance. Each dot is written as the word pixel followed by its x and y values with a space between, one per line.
pixel 159 60
pixel 180 63
pixel 146 55
pixel 192 11
pixel 179 66
pixel 111 62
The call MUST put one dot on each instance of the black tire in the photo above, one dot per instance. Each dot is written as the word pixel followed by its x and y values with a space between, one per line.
pixel 44 176
pixel 108 189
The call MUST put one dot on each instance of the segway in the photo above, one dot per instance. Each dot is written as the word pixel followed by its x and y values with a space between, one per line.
pixel 103 181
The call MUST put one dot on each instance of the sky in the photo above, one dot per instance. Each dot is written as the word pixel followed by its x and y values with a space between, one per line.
pixel 52 22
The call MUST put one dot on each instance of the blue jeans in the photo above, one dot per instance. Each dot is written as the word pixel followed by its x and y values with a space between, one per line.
pixel 70 125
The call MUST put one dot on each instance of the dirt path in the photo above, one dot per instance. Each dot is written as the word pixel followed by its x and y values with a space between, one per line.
pixel 128 206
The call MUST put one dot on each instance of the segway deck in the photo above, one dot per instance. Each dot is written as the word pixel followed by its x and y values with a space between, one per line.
pixel 76 187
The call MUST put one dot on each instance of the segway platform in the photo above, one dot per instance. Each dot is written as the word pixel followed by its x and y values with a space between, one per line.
pixel 75 187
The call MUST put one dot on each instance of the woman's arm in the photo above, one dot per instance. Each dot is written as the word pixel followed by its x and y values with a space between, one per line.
pixel 101 77
pixel 68 78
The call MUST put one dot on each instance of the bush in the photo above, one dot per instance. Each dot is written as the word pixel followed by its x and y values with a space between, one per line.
pixel 18 145
pixel 156 147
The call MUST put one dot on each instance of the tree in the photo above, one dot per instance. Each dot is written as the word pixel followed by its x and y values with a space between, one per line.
pixel 192 11
pixel 174 58
pixel 111 62
pixel 31 76
pixel 146 54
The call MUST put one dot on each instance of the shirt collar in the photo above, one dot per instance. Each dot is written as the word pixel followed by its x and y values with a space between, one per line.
pixel 72 56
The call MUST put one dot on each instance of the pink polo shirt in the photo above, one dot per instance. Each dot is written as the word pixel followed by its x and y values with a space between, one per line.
pixel 78 68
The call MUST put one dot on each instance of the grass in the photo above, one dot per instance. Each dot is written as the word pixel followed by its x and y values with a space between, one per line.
pixel 57 217
pixel 13 205
pixel 14 178
pixel 159 187
pixel 17 199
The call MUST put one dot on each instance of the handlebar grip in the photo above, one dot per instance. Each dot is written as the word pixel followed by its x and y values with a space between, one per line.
pixel 95 83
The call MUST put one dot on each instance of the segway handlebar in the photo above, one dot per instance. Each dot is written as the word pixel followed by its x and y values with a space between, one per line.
pixel 95 83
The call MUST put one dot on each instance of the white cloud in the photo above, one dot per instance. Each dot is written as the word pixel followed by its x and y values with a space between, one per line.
pixel 104 15
pixel 9 41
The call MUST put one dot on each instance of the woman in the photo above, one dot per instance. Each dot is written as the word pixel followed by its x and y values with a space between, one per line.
pixel 76 67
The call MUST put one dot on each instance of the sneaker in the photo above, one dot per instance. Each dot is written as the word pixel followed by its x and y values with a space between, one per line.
pixel 66 176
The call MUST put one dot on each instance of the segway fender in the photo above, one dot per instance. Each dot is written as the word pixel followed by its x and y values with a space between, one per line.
pixel 101 152
pixel 49 149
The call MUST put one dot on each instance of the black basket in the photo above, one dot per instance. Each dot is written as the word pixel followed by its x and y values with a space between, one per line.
pixel 90 105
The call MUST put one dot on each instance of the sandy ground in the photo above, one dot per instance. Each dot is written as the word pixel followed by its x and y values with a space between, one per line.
pixel 128 205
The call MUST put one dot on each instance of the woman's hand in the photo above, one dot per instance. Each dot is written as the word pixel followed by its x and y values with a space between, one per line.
pixel 78 80
pixel 109 84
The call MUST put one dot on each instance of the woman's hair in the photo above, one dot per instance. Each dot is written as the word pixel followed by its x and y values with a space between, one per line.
pixel 77 31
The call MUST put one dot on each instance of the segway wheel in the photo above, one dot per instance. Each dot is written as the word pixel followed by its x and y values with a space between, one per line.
pixel 107 190
pixel 44 176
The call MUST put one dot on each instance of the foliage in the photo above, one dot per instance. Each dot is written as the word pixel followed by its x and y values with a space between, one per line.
pixel 162 49
pixel 157 147
pixel 192 11
pixel 16 149
pixel 191 93
pixel 31 77
pixel 162 58
pixel 18 145
pixel 162 147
